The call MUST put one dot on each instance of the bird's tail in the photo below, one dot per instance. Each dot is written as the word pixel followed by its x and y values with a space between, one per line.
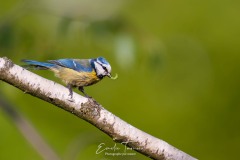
pixel 37 65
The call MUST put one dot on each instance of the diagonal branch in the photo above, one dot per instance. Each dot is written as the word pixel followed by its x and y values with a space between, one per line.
pixel 89 110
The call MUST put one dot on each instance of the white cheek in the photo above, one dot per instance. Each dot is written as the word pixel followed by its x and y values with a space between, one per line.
pixel 99 69
pixel 109 68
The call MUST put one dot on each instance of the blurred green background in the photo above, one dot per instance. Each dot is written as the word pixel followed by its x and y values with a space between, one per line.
pixel 178 67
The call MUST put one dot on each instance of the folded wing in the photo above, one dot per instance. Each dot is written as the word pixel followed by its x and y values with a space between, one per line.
pixel 80 65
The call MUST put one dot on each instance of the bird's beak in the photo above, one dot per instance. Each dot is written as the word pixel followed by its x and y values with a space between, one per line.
pixel 109 75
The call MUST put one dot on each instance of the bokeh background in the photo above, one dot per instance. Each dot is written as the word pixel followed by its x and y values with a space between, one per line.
pixel 178 67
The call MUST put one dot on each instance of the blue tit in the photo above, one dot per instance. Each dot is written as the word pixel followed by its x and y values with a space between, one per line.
pixel 76 72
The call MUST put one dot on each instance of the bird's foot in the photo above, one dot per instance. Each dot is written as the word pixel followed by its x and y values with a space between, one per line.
pixel 70 97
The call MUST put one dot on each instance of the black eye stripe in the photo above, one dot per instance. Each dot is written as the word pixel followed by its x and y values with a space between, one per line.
pixel 105 69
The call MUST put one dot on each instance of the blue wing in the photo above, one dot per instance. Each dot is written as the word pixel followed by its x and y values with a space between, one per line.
pixel 75 64
pixel 39 65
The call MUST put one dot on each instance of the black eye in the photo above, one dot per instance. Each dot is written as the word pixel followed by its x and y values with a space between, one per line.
pixel 105 69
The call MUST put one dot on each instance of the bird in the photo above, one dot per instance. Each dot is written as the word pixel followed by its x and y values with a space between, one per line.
pixel 75 72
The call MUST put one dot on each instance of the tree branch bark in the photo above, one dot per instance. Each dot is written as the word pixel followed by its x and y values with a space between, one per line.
pixel 90 111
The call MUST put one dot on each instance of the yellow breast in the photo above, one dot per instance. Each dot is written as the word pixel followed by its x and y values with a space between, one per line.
pixel 75 78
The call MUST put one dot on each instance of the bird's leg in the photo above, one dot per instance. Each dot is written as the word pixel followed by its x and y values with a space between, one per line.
pixel 70 90
pixel 82 90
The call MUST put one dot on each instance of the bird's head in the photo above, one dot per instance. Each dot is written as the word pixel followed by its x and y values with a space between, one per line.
pixel 102 68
